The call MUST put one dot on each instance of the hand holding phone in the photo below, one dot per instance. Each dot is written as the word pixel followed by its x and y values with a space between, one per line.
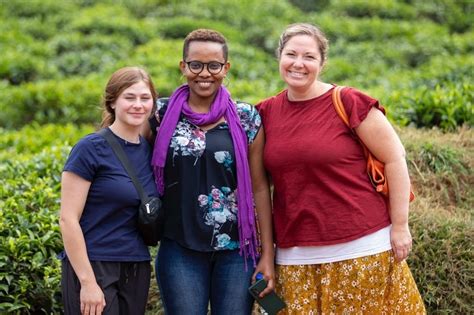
pixel 271 303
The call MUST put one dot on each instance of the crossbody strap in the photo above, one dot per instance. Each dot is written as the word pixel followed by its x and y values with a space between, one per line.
pixel 109 136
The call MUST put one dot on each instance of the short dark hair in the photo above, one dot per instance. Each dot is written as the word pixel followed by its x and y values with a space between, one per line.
pixel 205 35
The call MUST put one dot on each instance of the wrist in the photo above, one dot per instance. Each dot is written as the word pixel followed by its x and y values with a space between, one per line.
pixel 87 280
pixel 267 254
pixel 400 227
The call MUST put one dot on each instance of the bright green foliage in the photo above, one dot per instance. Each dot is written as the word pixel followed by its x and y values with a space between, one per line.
pixel 73 100
pixel 30 168
pixel 415 56
pixel 387 48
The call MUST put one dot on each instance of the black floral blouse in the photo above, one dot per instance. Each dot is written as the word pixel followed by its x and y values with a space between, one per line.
pixel 200 199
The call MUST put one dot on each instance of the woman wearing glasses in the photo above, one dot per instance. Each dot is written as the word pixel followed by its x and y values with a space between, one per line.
pixel 209 177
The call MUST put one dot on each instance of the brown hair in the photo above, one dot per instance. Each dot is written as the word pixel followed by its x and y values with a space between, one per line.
pixel 118 82
pixel 304 29
pixel 205 35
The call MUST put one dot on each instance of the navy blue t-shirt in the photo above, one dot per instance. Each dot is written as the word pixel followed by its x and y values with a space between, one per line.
pixel 109 218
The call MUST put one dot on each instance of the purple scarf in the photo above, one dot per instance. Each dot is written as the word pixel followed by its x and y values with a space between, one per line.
pixel 221 106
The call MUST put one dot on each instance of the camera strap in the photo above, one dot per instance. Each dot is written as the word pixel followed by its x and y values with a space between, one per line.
pixel 107 134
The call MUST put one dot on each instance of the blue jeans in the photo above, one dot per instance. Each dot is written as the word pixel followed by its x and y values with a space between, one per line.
pixel 189 279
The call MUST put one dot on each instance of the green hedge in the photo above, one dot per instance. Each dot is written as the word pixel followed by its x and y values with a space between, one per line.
pixel 52 52
pixel 30 167
pixel 73 100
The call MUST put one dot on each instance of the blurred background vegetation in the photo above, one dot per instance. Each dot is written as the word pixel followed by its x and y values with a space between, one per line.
pixel 415 56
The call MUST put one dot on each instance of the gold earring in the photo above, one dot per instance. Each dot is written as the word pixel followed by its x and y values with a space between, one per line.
pixel 226 81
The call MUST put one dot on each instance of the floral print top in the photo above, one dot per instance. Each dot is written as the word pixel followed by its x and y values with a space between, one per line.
pixel 200 199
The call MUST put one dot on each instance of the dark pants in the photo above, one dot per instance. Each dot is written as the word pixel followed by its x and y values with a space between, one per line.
pixel 189 280
pixel 124 284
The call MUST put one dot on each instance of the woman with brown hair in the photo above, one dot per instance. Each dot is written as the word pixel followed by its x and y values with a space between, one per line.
pixel 106 264
pixel 341 246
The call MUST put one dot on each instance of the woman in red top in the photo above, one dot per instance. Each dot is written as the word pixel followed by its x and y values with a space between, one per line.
pixel 341 247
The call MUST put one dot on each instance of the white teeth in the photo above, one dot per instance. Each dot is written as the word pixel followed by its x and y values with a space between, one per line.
pixel 204 84
pixel 296 74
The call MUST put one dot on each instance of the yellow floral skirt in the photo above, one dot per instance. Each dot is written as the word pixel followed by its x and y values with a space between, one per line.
pixel 375 284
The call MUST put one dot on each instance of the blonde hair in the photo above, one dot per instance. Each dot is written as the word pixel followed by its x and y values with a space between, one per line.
pixel 304 29
pixel 118 82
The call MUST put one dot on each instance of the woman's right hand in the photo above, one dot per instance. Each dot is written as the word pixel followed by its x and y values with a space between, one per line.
pixel 92 299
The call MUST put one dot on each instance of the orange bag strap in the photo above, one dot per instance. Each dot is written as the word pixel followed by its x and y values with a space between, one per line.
pixel 341 111
pixel 337 101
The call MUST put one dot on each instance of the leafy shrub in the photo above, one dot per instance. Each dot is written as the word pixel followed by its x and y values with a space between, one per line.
pixel 81 55
pixel 29 203
pixel 74 100
pixel 310 5
pixel 455 14
pixel 243 15
pixel 179 27
pixel 446 106
pixel 161 59
pixel 18 67
pixel 35 8
pixel 389 9
pixel 23 58
pixel 106 20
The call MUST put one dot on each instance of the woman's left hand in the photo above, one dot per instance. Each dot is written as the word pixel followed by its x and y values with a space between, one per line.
pixel 401 240
pixel 266 267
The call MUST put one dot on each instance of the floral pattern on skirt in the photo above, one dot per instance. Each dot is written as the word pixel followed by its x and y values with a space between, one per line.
pixel 375 284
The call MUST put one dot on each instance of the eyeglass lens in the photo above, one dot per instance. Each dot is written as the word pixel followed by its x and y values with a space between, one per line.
pixel 213 67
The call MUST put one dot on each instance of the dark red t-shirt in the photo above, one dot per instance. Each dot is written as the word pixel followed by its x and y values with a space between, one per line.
pixel 322 193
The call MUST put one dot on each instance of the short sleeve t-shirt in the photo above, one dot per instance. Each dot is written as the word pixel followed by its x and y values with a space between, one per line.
pixel 322 194
pixel 200 199
pixel 109 218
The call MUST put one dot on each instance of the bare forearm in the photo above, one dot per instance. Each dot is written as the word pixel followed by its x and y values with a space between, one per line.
pixel 263 204
pixel 75 247
pixel 399 185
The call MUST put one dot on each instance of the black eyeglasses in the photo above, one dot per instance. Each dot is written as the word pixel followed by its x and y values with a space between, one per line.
pixel 196 67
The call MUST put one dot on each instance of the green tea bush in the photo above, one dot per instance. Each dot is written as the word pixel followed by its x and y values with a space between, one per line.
pixel 179 27
pixel 457 15
pixel 446 106
pixel 310 5
pixel 18 67
pixel 116 20
pixel 23 58
pixel 34 27
pixel 161 58
pixel 29 277
pixel 388 9
pixel 349 29
pixel 30 168
pixel 73 100
pixel 27 141
pixel 80 55
pixel 245 15
pixel 35 8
